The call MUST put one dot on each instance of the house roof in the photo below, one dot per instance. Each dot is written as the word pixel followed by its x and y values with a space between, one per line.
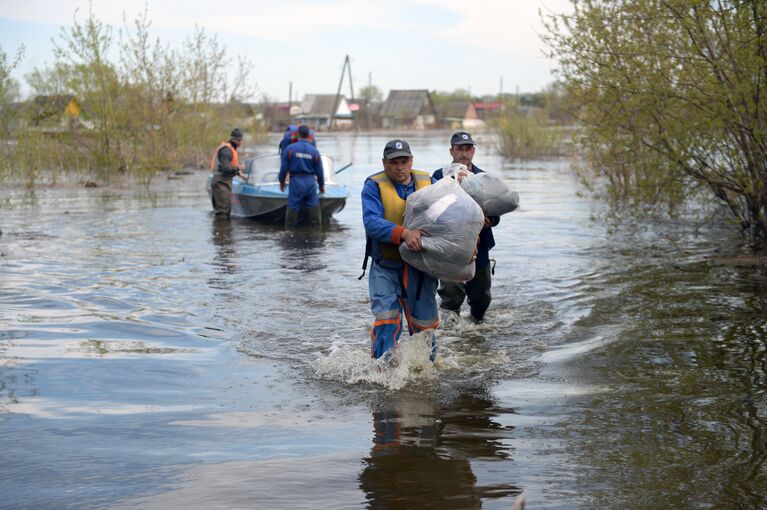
pixel 487 106
pixel 407 103
pixel 457 110
pixel 61 100
pixel 322 105
pixel 46 106
pixel 276 110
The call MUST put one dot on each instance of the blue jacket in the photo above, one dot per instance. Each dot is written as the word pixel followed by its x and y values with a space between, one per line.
pixel 486 239
pixel 301 158
pixel 291 136
pixel 377 228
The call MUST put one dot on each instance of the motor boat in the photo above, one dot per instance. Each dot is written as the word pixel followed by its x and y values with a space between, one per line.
pixel 258 195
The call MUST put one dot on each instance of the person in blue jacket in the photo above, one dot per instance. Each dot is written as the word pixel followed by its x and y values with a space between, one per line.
pixel 302 161
pixel 291 136
pixel 395 287
pixel 477 290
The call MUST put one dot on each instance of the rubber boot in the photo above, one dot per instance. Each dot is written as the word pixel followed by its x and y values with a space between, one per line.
pixel 314 216
pixel 291 217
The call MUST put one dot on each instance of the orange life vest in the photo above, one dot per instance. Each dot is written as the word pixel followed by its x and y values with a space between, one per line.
pixel 214 159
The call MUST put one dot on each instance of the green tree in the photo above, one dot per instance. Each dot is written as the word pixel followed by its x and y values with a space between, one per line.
pixel 151 85
pixel 671 94
pixel 82 69
pixel 9 92
pixel 455 95
pixel 180 103
pixel 150 109
pixel 9 87
pixel 527 136
pixel 212 97
pixel 371 93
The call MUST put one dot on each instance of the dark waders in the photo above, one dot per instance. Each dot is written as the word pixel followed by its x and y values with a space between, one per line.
pixel 221 194
pixel 313 217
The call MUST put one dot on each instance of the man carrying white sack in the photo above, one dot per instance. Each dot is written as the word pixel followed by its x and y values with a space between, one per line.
pixel 476 290
pixel 395 287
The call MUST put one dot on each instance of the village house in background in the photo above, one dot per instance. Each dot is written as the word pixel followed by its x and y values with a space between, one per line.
pixel 402 109
pixel 459 115
pixel 45 113
pixel 411 109
pixel 277 116
pixel 317 110
pixel 367 115
pixel 61 111
pixel 488 110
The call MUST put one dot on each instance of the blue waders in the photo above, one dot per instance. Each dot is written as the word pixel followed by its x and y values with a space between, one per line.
pixel 303 194
pixel 388 301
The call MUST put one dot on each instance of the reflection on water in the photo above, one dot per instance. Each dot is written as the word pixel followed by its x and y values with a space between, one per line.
pixel 422 454
pixel 303 249
pixel 152 356
pixel 221 235
pixel 689 398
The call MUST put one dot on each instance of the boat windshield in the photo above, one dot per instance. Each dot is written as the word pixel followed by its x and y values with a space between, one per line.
pixel 266 169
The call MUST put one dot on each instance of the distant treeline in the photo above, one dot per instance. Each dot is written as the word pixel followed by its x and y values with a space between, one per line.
pixel 149 109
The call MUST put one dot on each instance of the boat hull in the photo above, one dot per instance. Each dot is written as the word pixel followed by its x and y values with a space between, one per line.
pixel 267 203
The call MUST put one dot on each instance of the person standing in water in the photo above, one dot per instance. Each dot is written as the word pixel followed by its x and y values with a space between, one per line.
pixel 225 165
pixel 477 290
pixel 395 287
pixel 302 161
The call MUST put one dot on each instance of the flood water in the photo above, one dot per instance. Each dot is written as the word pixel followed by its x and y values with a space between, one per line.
pixel 154 357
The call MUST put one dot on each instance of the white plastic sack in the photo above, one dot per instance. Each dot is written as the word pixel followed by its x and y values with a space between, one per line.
pixel 489 190
pixel 455 170
pixel 452 220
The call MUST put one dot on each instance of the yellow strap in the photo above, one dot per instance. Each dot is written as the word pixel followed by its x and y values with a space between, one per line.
pixel 394 206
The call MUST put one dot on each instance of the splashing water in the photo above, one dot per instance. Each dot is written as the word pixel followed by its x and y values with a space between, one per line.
pixel 353 365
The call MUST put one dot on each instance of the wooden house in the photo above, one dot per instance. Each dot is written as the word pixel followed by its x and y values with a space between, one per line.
pixel 459 115
pixel 59 110
pixel 486 110
pixel 412 109
pixel 317 110
pixel 277 116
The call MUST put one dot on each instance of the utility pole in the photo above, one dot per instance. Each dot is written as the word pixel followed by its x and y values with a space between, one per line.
pixel 351 87
pixel 365 117
pixel 370 88
pixel 500 94
pixel 338 92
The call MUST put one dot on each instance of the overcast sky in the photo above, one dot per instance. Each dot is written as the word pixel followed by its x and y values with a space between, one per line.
pixel 398 44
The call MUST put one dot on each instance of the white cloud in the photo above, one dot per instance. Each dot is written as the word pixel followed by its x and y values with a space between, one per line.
pixel 276 20
pixel 505 25
pixel 279 21
pixel 509 25
pixel 404 43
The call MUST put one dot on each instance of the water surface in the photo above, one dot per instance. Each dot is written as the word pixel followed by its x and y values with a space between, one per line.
pixel 152 356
